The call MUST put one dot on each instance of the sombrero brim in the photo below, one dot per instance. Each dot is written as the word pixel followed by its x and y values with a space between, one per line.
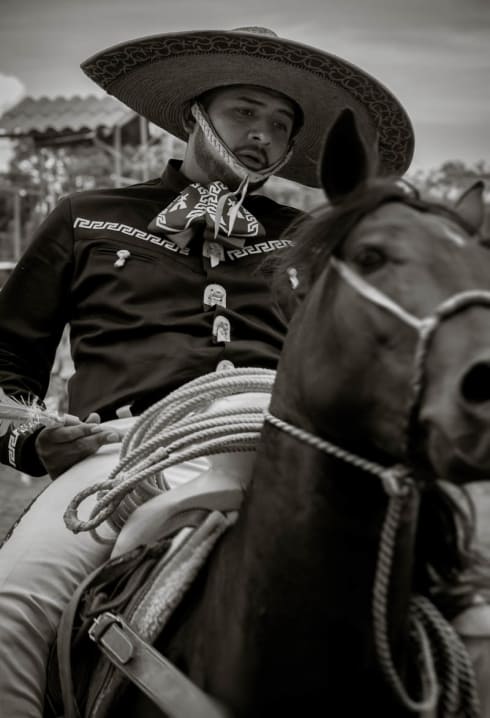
pixel 155 76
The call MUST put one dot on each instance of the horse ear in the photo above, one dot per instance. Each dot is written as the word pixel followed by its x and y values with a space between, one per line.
pixel 345 163
pixel 471 207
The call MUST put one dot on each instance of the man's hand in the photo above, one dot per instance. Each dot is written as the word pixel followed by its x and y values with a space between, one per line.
pixel 61 447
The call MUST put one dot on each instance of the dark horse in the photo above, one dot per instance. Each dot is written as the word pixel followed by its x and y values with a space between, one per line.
pixel 285 619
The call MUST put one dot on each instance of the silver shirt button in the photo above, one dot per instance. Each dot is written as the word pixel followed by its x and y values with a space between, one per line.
pixel 224 364
pixel 122 256
pixel 214 294
pixel 221 329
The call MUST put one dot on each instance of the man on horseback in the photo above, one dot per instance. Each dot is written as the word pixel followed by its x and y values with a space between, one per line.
pixel 159 282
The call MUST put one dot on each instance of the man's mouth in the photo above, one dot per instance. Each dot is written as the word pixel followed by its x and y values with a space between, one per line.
pixel 252 158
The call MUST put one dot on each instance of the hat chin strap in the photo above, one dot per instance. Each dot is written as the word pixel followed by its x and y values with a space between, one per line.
pixel 217 144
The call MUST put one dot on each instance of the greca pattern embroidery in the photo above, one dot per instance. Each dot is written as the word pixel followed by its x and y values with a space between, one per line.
pixel 395 135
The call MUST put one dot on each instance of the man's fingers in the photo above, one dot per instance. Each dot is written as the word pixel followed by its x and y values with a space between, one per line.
pixel 70 420
pixel 70 434
pixel 87 445
pixel 61 457
pixel 62 447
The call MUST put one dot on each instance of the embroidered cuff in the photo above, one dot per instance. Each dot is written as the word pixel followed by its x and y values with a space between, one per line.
pixel 18 450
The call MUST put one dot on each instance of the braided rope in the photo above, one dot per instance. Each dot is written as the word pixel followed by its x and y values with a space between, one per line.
pixel 436 640
pixel 170 432
pixel 459 694
pixel 380 600
pixel 427 329
pixel 397 484
pixel 391 477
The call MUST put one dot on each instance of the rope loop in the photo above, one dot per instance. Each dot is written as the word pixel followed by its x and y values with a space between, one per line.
pixel 393 479
pixel 178 428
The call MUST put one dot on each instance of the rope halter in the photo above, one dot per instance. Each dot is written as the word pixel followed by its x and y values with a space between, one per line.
pixel 425 326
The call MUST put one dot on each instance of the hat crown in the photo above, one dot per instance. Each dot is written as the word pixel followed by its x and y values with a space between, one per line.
pixel 256 30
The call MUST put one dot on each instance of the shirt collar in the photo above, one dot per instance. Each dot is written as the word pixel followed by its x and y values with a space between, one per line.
pixel 172 178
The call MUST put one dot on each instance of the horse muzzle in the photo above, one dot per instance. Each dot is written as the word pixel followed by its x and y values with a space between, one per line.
pixel 455 419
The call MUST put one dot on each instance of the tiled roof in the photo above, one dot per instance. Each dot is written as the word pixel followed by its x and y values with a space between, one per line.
pixel 47 115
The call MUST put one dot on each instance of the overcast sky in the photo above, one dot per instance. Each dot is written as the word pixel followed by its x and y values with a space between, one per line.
pixel 433 54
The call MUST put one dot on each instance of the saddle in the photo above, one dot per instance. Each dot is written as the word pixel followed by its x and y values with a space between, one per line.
pixel 106 632
pixel 106 635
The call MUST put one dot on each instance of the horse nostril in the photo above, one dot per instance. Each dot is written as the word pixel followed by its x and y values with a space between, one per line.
pixel 475 385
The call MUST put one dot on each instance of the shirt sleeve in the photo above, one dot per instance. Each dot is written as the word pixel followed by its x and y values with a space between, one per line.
pixel 34 308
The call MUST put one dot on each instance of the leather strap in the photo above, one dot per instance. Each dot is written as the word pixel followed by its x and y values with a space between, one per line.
pixel 159 679
pixel 109 570
pixel 116 567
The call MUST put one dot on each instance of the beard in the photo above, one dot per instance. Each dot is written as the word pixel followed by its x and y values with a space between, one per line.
pixel 215 167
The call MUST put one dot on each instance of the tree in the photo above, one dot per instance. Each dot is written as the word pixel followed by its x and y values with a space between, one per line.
pixel 450 179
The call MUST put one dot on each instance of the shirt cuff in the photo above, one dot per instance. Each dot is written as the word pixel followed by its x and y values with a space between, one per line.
pixel 18 450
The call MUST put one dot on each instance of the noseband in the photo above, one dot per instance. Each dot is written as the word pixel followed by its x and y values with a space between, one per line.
pixel 425 327
pixel 393 478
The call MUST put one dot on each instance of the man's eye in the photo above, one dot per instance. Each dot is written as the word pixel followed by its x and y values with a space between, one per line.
pixel 244 111
pixel 368 259
pixel 281 126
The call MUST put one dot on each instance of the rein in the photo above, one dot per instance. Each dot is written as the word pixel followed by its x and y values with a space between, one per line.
pixel 425 621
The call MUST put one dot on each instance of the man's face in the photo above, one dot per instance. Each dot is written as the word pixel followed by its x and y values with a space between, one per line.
pixel 256 125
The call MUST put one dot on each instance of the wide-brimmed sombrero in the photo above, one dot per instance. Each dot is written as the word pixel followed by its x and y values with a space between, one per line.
pixel 156 76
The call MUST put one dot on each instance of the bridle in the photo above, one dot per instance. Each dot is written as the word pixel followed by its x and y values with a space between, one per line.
pixel 426 328
pixel 397 483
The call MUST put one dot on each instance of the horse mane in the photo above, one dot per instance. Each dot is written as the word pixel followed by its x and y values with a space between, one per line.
pixel 448 566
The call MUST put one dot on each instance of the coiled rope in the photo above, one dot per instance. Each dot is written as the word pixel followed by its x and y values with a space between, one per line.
pixel 172 431
pixel 448 676
pixel 459 696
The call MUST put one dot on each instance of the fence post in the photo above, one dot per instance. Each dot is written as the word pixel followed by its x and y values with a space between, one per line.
pixel 17 199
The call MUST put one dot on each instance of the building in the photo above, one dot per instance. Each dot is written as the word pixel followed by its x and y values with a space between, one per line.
pixel 55 129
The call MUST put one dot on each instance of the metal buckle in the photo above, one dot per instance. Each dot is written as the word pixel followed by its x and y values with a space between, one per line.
pixel 108 632
pixel 101 624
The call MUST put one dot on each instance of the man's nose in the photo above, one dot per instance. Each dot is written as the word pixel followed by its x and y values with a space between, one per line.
pixel 260 134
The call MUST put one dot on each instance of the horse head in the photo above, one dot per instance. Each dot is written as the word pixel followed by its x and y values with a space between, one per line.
pixel 389 349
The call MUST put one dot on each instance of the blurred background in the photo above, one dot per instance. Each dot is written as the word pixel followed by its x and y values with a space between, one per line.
pixel 60 134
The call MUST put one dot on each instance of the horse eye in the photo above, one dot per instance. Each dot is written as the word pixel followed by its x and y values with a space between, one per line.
pixel 370 258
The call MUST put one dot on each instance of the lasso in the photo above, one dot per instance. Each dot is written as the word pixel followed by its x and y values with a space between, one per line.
pixel 170 432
